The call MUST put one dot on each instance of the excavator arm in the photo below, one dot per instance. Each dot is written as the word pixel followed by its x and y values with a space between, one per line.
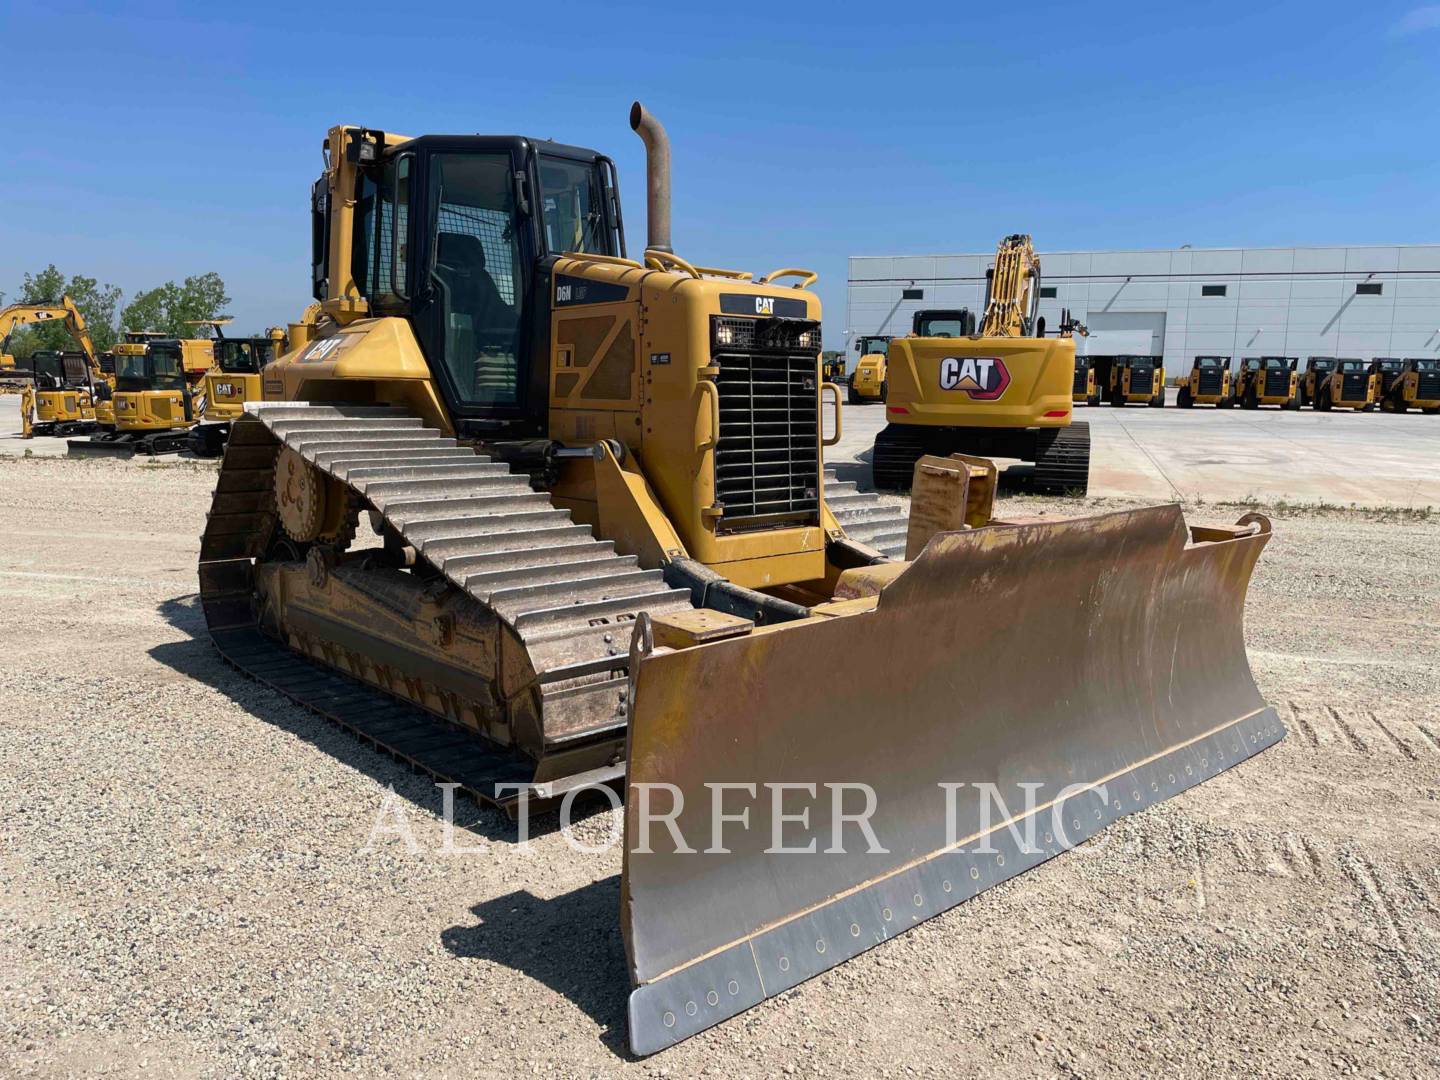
pixel 22 314
pixel 1013 289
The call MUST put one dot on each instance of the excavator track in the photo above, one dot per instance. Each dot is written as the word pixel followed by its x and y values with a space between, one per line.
pixel 564 599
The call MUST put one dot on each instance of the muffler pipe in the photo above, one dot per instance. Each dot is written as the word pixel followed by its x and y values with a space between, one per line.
pixel 657 176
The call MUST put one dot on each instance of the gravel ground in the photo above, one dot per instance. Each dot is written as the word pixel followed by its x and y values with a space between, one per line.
pixel 189 886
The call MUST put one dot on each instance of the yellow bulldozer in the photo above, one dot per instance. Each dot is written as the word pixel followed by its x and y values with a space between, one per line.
pixel 1002 390
pixel 541 518
pixel 69 394
pixel 158 397
pixel 869 381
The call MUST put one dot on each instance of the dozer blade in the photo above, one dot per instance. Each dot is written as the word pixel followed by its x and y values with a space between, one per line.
pixel 1084 669
pixel 78 448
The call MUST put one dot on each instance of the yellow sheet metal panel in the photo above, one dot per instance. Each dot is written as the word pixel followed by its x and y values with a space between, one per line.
pixel 981 382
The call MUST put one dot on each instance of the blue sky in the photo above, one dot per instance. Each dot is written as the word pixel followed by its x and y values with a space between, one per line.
pixel 152 141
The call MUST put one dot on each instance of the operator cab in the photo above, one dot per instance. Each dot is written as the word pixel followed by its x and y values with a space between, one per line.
pixel 943 323
pixel 159 367
pixel 873 345
pixel 475 278
pixel 56 370
pixel 243 356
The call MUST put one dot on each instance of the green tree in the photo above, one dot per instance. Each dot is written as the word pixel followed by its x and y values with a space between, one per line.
pixel 96 302
pixel 169 308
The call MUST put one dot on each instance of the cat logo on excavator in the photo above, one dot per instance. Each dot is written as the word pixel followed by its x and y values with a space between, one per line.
pixel 984 378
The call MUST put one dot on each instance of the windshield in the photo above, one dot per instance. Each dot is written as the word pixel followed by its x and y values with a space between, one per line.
pixel 573 198
pixel 1208 361
pixel 240 357
pixel 165 366
pixel 1352 365
pixel 1321 363
pixel 1427 365
pixel 1252 363
pixel 869 345
pixel 1273 363
pixel 48 364
pixel 942 327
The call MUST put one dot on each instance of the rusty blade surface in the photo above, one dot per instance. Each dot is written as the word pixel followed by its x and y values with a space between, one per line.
pixel 1086 668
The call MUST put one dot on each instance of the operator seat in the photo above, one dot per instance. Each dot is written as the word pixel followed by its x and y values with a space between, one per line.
pixel 460 265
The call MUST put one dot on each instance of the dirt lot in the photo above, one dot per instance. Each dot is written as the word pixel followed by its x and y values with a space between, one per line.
pixel 187 888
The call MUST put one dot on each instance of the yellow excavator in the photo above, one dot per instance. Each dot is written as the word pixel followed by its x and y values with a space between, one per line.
pixel 158 397
pixel 234 380
pixel 868 382
pixel 1002 391
pixel 538 518
pixel 65 398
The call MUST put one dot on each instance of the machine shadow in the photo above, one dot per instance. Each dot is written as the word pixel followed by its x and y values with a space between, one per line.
pixel 570 943
pixel 196 658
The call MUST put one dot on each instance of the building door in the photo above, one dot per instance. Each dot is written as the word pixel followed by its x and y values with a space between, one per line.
pixel 1125 333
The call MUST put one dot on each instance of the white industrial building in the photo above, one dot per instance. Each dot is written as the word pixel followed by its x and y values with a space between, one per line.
pixel 1310 301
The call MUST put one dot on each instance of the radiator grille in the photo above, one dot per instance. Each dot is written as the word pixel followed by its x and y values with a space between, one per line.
pixel 1353 385
pixel 1211 380
pixel 1080 380
pixel 767 461
pixel 1429 385
pixel 1277 382
pixel 1142 380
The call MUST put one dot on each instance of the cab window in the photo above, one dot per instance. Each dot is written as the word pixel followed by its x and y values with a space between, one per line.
pixel 573 207
pixel 477 275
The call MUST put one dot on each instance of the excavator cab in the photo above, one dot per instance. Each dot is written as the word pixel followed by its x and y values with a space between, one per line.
pixel 234 380
pixel 1349 384
pixel 1414 384
pixel 869 381
pixel 607 555
pixel 63 401
pixel 1207 384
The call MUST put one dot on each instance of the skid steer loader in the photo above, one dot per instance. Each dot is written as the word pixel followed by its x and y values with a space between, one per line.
pixel 1086 390
pixel 607 553
pixel 1416 385
pixel 1004 391
pixel 1348 384
pixel 1207 384
pixel 1316 369
pixel 1266 380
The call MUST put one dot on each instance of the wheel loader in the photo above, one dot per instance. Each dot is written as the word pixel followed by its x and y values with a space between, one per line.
pixel 158 398
pixel 1266 380
pixel 234 380
pixel 1207 384
pixel 1086 390
pixel 601 551
pixel 1414 385
pixel 1001 391
pixel 1349 384
pixel 64 399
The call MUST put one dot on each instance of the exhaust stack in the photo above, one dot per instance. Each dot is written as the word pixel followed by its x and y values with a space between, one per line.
pixel 657 176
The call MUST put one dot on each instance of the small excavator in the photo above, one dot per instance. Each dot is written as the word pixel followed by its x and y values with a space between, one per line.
pixel 1002 391
pixel 234 380
pixel 66 397
pixel 539 517
pixel 156 399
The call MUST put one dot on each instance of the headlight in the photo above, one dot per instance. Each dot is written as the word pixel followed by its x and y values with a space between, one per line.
pixel 724 334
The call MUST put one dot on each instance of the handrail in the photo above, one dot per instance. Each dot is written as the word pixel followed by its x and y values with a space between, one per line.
pixel 594 257
pixel 715 271
pixel 809 277
pixel 668 260
pixel 836 388
pixel 708 388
